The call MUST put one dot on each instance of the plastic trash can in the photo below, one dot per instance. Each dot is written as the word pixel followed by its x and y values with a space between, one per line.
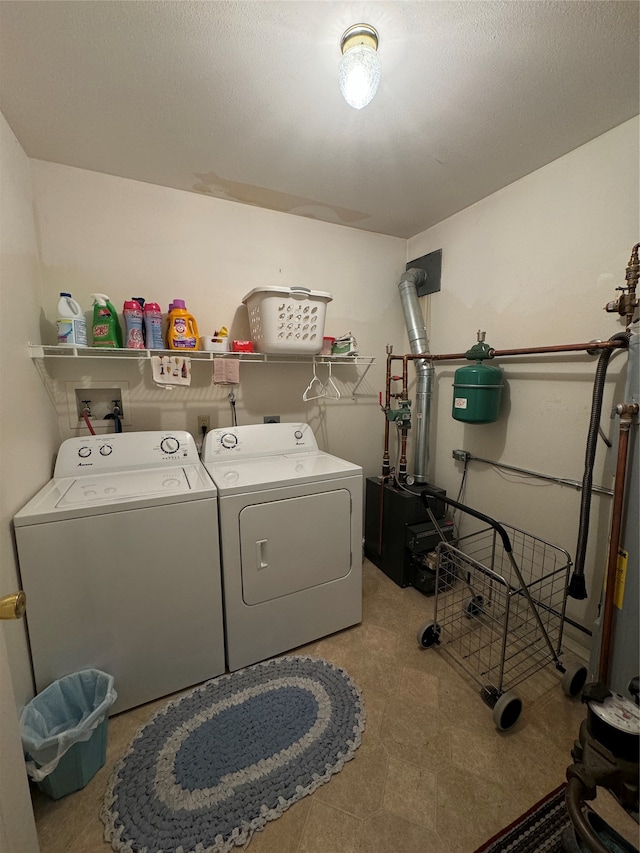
pixel 64 731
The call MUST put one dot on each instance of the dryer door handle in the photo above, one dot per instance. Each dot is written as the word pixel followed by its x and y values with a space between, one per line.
pixel 260 548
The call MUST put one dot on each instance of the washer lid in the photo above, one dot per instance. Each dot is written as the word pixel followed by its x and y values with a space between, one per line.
pixel 126 484
pixel 97 493
pixel 249 475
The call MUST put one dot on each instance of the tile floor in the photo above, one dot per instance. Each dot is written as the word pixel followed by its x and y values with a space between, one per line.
pixel 433 775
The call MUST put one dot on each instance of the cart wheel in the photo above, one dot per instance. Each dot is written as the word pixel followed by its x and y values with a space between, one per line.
pixel 474 606
pixel 573 679
pixel 490 695
pixel 429 635
pixel 506 711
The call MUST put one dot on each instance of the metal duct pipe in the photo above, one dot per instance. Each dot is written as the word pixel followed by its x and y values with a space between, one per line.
pixel 419 343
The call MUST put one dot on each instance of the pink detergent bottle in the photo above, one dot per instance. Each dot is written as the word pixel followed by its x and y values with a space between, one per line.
pixel 133 318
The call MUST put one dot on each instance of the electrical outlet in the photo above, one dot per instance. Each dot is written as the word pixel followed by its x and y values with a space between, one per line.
pixel 271 419
pixel 204 422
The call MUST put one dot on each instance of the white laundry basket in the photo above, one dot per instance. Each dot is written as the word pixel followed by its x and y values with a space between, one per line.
pixel 287 319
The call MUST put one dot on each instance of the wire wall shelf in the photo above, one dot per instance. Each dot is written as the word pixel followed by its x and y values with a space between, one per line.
pixel 38 351
pixel 56 355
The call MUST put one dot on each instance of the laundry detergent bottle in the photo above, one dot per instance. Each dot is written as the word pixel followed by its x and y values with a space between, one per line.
pixel 133 320
pixel 153 325
pixel 106 326
pixel 72 326
pixel 182 329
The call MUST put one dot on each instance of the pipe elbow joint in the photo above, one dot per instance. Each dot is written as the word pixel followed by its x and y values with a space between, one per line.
pixel 413 276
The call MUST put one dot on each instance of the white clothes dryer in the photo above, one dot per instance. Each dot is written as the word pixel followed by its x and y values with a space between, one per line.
pixel 119 558
pixel 290 537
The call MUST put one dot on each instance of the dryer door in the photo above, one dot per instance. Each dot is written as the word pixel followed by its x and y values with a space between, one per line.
pixel 294 544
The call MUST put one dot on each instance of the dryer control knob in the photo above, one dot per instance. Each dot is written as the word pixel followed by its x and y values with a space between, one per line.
pixel 229 440
pixel 298 434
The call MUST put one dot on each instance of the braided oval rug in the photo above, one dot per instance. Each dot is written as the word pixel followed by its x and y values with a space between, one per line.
pixel 216 764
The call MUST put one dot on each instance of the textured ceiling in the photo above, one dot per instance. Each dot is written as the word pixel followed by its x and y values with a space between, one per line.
pixel 240 100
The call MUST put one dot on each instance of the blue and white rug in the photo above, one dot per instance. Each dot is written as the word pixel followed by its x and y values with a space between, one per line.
pixel 213 766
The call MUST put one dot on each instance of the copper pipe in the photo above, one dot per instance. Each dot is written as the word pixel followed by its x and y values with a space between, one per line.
pixel 590 347
pixel 386 466
pixel 431 356
pixel 501 353
pixel 595 345
pixel 626 412
pixel 402 465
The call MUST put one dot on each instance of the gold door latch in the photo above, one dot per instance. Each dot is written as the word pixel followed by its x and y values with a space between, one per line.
pixel 13 606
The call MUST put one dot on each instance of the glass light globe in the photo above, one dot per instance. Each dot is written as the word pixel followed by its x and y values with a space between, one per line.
pixel 359 75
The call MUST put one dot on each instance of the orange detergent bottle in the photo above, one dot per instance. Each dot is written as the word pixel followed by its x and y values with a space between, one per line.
pixel 182 329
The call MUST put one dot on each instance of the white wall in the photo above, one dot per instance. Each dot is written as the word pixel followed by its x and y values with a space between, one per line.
pixel 124 238
pixel 28 423
pixel 533 265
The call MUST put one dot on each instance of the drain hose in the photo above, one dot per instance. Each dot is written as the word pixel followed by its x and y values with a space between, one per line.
pixel 577 587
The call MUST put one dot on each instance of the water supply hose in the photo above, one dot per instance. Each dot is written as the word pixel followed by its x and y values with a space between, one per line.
pixel 114 416
pixel 577 586
pixel 85 417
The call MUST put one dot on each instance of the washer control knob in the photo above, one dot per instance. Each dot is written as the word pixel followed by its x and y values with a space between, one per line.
pixel 84 452
pixel 170 445
pixel 106 450
pixel 229 440
pixel 298 434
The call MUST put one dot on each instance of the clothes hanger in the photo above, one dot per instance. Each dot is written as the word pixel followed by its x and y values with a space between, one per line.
pixel 330 387
pixel 315 388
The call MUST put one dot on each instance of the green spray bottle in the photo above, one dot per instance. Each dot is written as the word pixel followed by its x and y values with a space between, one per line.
pixel 106 326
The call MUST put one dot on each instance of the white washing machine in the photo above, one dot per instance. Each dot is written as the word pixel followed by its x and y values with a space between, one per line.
pixel 119 558
pixel 290 537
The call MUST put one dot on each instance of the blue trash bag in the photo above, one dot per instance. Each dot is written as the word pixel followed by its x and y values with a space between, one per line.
pixel 66 712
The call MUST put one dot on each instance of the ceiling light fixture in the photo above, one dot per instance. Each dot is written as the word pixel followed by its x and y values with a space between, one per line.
pixel 359 73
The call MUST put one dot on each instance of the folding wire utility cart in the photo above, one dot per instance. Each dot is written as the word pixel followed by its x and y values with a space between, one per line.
pixel 500 605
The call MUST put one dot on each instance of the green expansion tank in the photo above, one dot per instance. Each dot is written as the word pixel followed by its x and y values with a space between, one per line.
pixel 477 388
